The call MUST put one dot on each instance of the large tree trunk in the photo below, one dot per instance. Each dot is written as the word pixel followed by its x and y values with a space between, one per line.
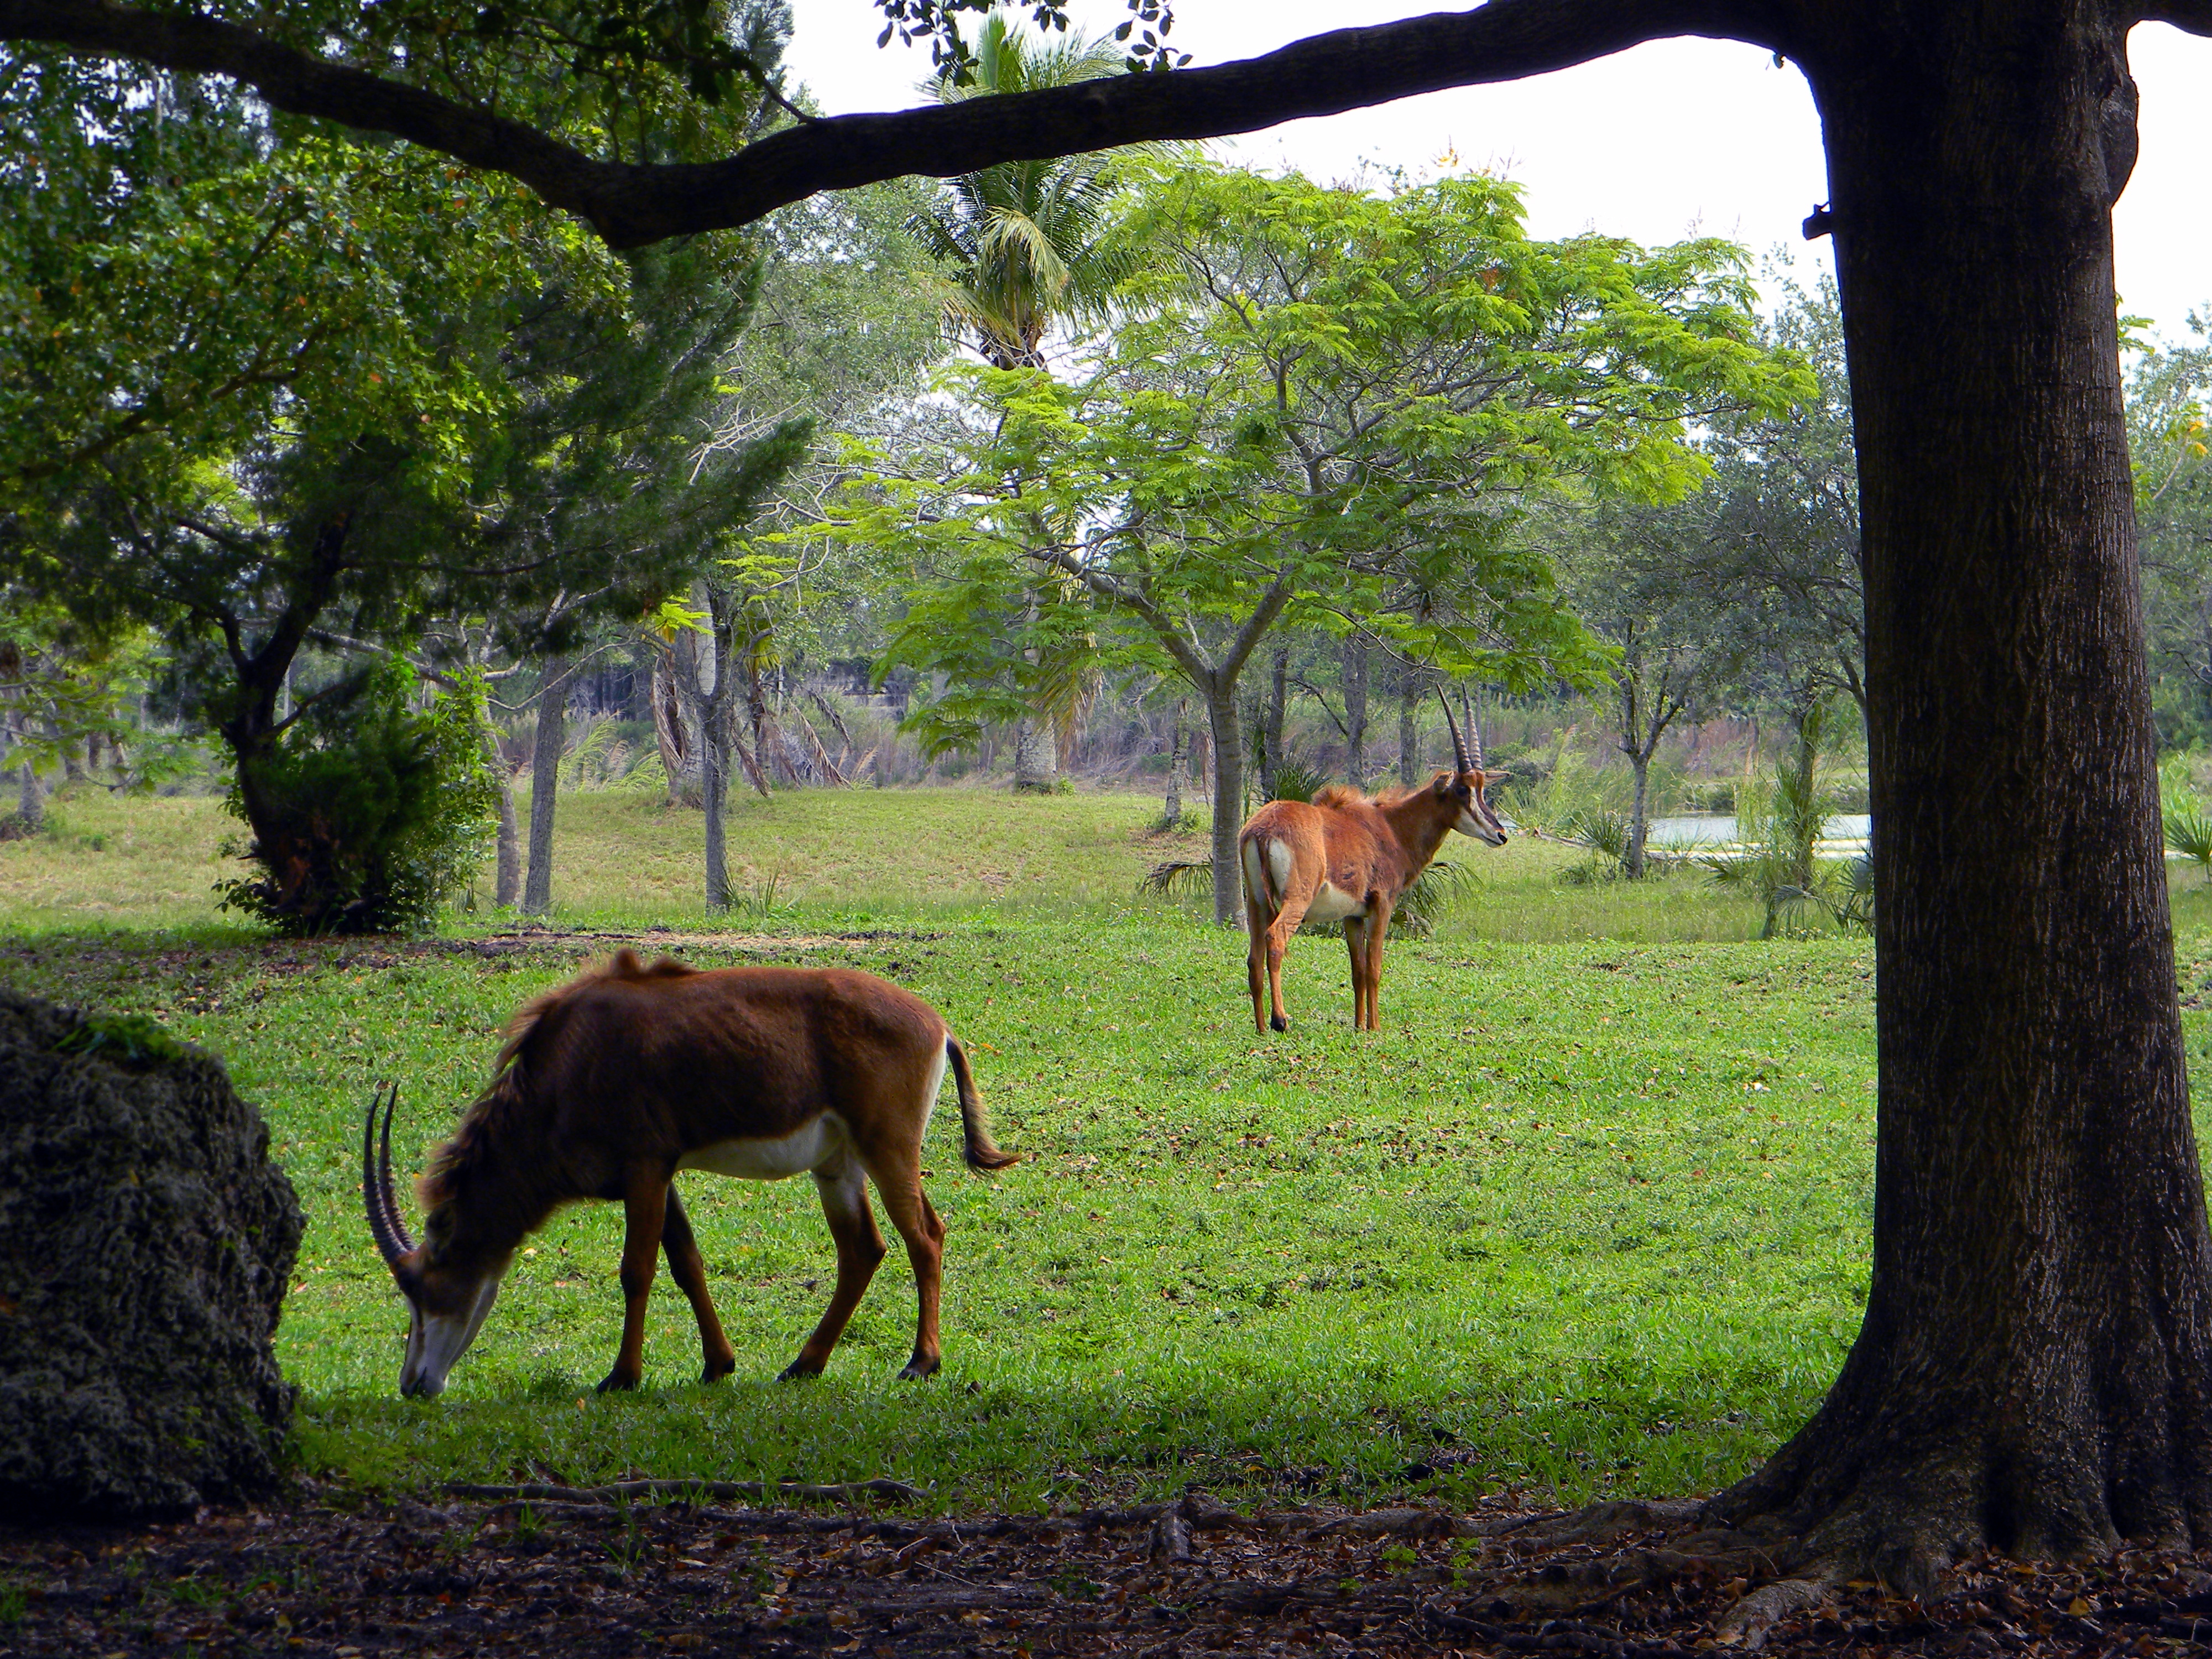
pixel 1036 757
pixel 2035 1367
pixel 545 783
pixel 1228 799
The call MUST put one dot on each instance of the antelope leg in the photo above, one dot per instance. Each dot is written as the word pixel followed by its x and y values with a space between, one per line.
pixel 689 1273
pixel 917 1222
pixel 844 1190
pixel 644 1207
pixel 1379 924
pixel 1355 941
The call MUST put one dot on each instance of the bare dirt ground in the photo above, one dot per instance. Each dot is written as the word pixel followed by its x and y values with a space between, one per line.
pixel 620 1573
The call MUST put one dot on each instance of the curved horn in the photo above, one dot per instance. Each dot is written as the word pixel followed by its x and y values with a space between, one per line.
pixel 1474 729
pixel 1459 762
pixel 371 1193
pixel 383 1160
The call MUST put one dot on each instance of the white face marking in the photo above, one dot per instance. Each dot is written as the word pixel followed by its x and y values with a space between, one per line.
pixel 1472 825
pixel 823 1141
pixel 435 1342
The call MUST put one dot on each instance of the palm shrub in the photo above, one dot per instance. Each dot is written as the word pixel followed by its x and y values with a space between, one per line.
pixel 2188 826
pixel 372 810
pixel 1297 780
pixel 1765 866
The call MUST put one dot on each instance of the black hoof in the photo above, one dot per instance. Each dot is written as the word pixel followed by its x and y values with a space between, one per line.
pixel 1277 1023
pixel 916 1369
pixel 798 1371
pixel 716 1373
pixel 614 1383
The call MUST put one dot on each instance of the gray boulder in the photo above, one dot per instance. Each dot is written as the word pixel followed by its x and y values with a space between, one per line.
pixel 146 1242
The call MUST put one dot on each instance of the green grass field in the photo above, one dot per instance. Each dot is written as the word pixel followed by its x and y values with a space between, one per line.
pixel 1590 1215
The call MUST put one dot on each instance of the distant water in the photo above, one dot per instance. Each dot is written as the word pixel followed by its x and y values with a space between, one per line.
pixel 1844 832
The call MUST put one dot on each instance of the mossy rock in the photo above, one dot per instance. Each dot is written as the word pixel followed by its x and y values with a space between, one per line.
pixel 146 1242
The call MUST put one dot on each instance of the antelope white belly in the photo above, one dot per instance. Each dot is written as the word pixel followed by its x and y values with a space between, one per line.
pixel 1333 903
pixel 821 1142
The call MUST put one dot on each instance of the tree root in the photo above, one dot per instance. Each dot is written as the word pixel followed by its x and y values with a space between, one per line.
pixel 690 1491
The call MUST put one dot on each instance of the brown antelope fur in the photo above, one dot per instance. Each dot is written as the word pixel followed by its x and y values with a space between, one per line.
pixel 1346 856
pixel 606 1086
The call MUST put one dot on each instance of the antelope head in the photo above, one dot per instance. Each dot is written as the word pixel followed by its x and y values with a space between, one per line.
pixel 446 1302
pixel 1467 781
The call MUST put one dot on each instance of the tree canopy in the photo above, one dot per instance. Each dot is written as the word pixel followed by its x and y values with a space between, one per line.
pixel 1321 406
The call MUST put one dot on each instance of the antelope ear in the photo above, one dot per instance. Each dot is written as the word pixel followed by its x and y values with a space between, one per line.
pixel 1443 785
pixel 1489 778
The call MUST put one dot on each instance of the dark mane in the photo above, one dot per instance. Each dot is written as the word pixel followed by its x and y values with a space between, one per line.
pixel 1338 795
pixel 502 1114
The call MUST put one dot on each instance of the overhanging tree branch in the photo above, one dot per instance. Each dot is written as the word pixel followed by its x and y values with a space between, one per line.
pixel 630 206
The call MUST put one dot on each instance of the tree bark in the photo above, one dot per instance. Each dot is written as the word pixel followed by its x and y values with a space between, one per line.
pixel 30 799
pixel 545 784
pixel 2034 1372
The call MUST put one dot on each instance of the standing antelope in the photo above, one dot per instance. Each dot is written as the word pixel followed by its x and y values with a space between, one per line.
pixel 610 1084
pixel 1347 857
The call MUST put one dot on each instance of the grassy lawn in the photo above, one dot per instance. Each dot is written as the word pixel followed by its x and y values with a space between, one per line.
pixel 1590 1215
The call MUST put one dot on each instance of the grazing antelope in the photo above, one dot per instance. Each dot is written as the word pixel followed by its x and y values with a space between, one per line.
pixel 1347 857
pixel 610 1084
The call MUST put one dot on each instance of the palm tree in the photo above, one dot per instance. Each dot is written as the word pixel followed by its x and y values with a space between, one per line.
pixel 1019 246
pixel 1025 243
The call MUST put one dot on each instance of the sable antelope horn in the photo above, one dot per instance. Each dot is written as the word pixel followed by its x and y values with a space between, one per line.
pixel 383 1224
pixel 1460 761
pixel 1474 728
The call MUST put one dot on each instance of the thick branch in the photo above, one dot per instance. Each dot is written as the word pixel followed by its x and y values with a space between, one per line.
pixel 2194 15
pixel 630 206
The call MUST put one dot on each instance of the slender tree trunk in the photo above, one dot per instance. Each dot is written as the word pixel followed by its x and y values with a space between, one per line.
pixel 1171 812
pixel 2035 1367
pixel 1355 711
pixel 509 880
pixel 1639 767
pixel 30 799
pixel 544 784
pixel 1228 798
pixel 714 787
pixel 1270 756
pixel 1409 730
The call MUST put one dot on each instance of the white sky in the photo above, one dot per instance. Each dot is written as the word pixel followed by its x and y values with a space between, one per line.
pixel 1673 137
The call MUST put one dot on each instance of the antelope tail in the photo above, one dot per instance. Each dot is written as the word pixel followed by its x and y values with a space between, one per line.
pixel 975 1129
pixel 1259 873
